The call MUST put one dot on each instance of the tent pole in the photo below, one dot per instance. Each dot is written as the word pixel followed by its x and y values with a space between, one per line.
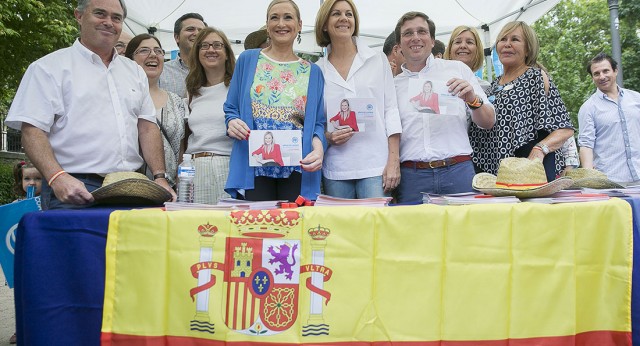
pixel 615 37
pixel 487 52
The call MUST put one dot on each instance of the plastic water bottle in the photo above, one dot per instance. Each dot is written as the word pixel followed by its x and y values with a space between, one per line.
pixel 186 174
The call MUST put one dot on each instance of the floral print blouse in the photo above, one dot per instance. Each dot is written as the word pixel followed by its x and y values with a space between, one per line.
pixel 278 101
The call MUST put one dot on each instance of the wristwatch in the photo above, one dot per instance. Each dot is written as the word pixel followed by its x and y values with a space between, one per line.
pixel 544 148
pixel 162 175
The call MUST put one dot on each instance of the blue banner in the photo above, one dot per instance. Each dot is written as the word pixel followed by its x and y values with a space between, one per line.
pixel 497 65
pixel 10 215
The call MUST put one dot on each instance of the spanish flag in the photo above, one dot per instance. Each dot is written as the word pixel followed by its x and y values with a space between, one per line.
pixel 489 275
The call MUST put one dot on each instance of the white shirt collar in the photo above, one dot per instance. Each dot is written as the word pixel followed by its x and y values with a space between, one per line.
pixel 89 54
pixel 409 73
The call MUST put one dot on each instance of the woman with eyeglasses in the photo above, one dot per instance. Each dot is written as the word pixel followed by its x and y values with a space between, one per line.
pixel 146 50
pixel 273 89
pixel 211 65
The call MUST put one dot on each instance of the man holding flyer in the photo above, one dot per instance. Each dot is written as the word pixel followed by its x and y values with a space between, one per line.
pixel 434 148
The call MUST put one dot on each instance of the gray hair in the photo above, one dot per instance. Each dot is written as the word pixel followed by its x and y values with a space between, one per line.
pixel 82 5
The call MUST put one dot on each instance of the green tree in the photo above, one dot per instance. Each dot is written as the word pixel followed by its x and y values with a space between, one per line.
pixel 573 33
pixel 630 37
pixel 30 29
pixel 570 35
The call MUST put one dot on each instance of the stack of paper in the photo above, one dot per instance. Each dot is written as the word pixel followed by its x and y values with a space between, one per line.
pixel 622 192
pixel 465 198
pixel 324 200
pixel 242 204
pixel 571 196
pixel 170 206
pixel 223 204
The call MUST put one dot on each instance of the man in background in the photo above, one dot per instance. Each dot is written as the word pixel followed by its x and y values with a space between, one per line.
pixel 84 112
pixel 438 49
pixel 609 123
pixel 185 30
pixel 257 39
pixel 392 50
pixel 123 41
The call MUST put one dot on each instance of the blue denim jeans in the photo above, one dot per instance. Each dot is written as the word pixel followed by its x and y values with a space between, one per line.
pixel 49 200
pixel 445 180
pixel 354 188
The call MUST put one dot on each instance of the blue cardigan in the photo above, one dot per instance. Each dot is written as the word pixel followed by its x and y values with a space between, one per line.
pixel 238 106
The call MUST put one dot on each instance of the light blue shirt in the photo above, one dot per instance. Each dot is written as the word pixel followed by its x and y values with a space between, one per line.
pixel 612 130
pixel 173 77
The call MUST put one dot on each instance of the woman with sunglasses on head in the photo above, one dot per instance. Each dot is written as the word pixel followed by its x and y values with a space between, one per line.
pixel 146 50
pixel 211 63
pixel 465 45
pixel 358 164
pixel 531 119
pixel 273 89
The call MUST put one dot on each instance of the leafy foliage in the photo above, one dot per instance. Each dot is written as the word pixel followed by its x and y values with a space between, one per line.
pixel 630 32
pixel 30 29
pixel 6 183
pixel 573 33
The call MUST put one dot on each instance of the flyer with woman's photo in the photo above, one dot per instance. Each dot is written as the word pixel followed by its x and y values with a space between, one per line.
pixel 355 113
pixel 431 97
pixel 275 148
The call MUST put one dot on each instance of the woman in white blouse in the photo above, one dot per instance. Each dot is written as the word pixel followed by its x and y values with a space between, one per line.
pixel 365 163
pixel 211 63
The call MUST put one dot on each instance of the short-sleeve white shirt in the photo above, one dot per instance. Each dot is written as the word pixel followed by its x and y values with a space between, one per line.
pixel 89 111
pixel 429 137
pixel 365 154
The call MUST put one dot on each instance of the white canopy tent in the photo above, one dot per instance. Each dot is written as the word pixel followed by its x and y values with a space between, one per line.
pixel 238 18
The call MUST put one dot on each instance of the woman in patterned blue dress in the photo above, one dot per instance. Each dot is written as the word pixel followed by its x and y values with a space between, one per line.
pixel 273 89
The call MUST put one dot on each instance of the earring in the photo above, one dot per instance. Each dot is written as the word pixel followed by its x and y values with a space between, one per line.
pixel 299 37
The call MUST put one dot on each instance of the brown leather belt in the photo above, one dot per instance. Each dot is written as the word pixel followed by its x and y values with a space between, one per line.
pixel 450 161
pixel 204 154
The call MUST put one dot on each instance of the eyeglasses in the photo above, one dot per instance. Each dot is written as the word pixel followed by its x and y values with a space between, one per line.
pixel 410 33
pixel 120 46
pixel 215 45
pixel 147 51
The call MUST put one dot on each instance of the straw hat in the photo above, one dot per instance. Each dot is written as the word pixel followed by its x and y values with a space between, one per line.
pixel 130 188
pixel 256 38
pixel 590 178
pixel 519 177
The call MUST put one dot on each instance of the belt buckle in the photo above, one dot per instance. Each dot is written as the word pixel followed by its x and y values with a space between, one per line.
pixel 432 163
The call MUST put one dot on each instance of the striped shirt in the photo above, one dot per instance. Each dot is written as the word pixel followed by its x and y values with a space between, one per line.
pixel 173 77
pixel 612 130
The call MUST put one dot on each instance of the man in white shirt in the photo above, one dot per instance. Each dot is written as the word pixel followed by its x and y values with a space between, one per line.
pixel 85 111
pixel 174 73
pixel 435 99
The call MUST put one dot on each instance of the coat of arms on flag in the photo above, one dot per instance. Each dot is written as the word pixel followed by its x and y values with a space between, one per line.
pixel 262 284
pixel 262 272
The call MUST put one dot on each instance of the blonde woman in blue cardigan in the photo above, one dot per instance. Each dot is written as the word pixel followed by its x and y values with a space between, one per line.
pixel 273 89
